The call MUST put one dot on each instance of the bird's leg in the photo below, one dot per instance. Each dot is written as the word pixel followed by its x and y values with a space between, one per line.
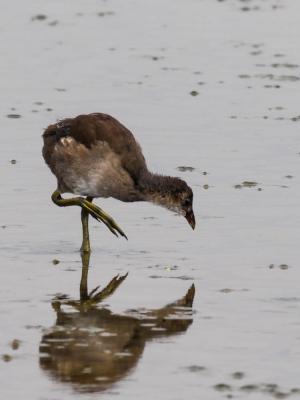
pixel 85 247
pixel 92 209
pixel 85 258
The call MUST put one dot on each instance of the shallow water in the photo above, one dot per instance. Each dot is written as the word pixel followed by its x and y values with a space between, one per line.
pixel 211 85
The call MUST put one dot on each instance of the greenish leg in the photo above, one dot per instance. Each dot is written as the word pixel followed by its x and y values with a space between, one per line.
pixel 90 208
pixel 85 247
pixel 85 258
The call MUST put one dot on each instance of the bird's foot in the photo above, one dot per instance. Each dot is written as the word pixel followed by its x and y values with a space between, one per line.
pixel 95 211
pixel 100 215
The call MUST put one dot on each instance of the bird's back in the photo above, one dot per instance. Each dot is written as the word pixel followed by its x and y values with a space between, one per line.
pixel 87 134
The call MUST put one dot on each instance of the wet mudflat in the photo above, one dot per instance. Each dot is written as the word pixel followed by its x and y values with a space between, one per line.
pixel 211 91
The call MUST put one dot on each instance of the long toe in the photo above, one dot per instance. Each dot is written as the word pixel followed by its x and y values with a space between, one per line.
pixel 100 215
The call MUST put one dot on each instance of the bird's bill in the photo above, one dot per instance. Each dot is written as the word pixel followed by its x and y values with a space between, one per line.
pixel 190 217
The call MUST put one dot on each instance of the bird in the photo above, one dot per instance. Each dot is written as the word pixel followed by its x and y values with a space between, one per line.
pixel 94 155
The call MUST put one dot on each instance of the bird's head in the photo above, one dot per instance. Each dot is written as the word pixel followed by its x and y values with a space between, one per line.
pixel 183 203
pixel 175 195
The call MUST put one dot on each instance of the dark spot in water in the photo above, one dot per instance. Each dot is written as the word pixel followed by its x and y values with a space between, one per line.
pixel 164 267
pixel 289 176
pixel 196 368
pixel 205 186
pixel 55 261
pixel 33 327
pixel 284 266
pixel 184 168
pixel 269 387
pixel 182 277
pixel 6 357
pixel 245 8
pixel 284 65
pixel 255 53
pixel 278 108
pixel 272 86
pixel 280 395
pixel 226 290
pixel 15 344
pixel 49 109
pixel 249 388
pixel 39 17
pixel 222 387
pixel 38 103
pixel 53 23
pixel 204 173
pixel 60 89
pixel 247 184
pixel 281 266
pixel 295 119
pixel 13 161
pixel 171 69
pixel 295 390
pixel 282 78
pixel 238 375
pixel 105 13
pixel 244 76
pixel 13 116
pixel 194 93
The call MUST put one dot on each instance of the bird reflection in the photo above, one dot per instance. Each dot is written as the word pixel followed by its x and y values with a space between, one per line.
pixel 91 348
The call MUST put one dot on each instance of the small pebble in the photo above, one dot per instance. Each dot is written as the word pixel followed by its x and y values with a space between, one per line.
pixel 6 357
pixel 222 387
pixel 15 344
pixel 226 290
pixel 39 17
pixel 196 368
pixel 184 168
pixel 283 266
pixel 13 116
pixel 238 375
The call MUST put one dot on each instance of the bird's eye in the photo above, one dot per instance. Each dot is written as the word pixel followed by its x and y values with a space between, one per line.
pixel 186 202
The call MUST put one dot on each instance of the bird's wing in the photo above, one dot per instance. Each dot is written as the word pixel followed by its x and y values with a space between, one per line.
pixel 97 127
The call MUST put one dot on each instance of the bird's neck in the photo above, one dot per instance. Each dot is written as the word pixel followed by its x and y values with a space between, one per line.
pixel 158 189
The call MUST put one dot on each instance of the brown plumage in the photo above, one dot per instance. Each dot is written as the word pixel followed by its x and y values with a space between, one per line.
pixel 95 155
